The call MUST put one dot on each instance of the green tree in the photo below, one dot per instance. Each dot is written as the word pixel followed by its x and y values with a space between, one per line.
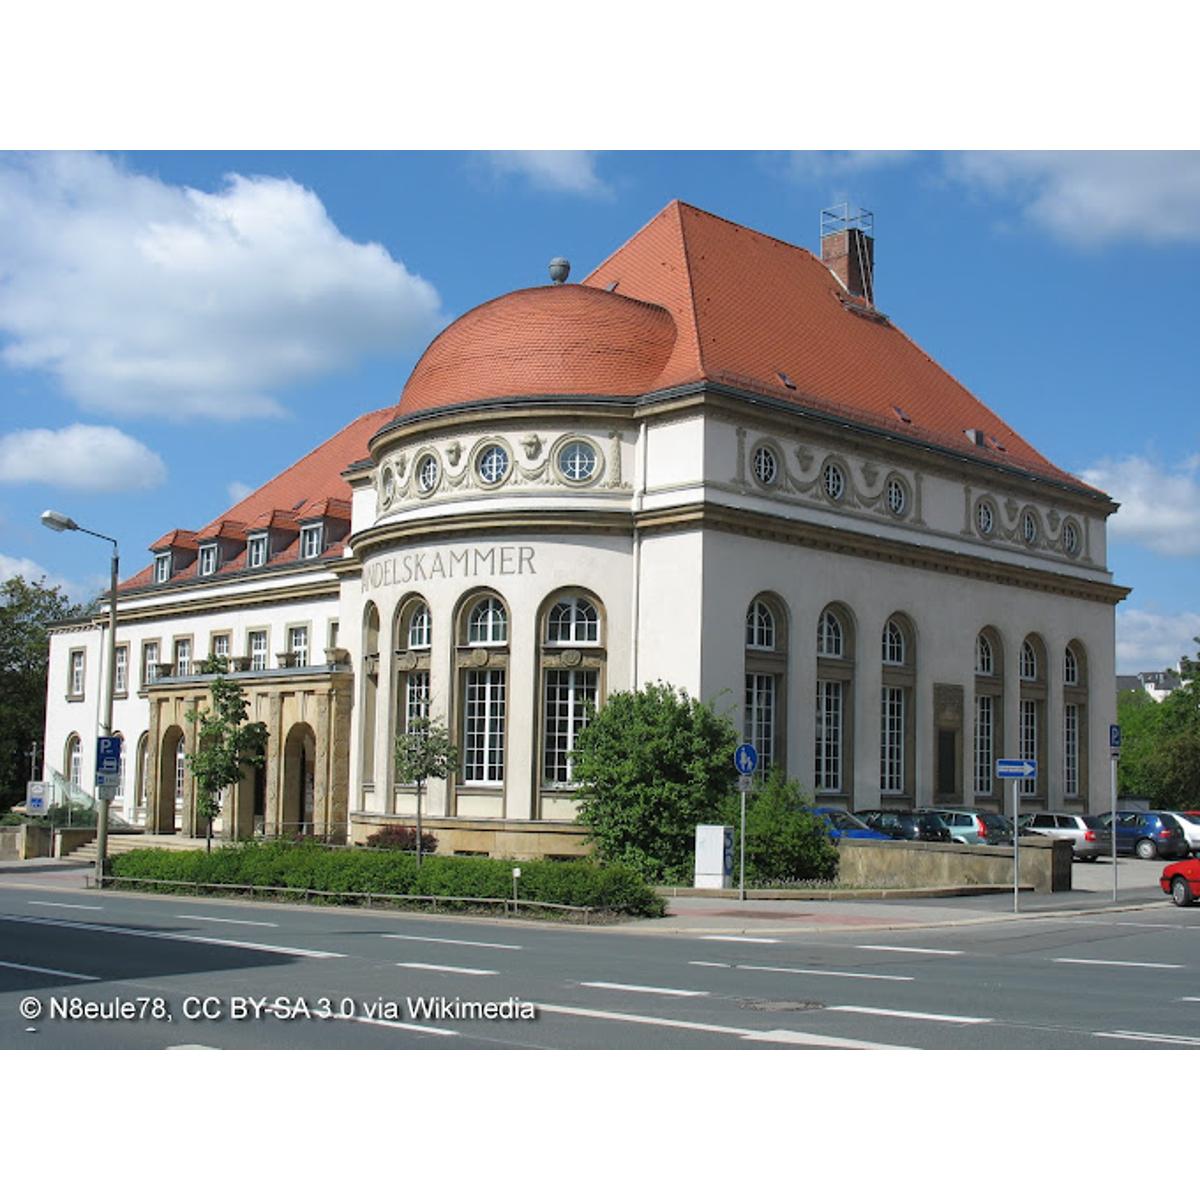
pixel 424 751
pixel 785 840
pixel 226 743
pixel 650 766
pixel 26 612
pixel 1140 719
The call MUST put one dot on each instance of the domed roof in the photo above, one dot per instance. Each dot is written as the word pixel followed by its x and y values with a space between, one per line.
pixel 566 340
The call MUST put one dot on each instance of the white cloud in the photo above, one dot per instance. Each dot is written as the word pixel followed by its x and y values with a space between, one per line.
pixel 1149 641
pixel 553 170
pixel 238 490
pixel 1092 197
pixel 33 572
pixel 150 299
pixel 827 164
pixel 86 458
pixel 1160 505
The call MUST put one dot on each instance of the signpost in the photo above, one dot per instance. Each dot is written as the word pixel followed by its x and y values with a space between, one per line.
pixel 1016 769
pixel 745 759
pixel 108 762
pixel 35 797
pixel 1114 751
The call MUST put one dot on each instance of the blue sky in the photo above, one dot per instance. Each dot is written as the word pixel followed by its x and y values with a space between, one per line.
pixel 207 317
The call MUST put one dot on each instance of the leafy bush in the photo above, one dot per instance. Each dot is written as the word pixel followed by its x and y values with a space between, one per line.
pixel 277 864
pixel 402 837
pixel 785 839
pixel 650 766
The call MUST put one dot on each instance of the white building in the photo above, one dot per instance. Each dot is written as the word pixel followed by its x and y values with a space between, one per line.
pixel 714 462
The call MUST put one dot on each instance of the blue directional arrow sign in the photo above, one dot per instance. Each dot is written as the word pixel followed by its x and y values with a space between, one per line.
pixel 745 758
pixel 1016 768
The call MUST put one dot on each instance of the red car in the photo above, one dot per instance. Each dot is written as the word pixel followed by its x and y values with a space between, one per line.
pixel 1181 880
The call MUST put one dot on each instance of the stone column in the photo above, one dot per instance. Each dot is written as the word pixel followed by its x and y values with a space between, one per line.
pixel 272 814
pixel 321 814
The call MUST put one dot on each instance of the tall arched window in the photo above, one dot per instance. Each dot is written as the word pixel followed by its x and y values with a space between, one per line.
pixel 483 690
pixel 896 739
pixel 420 627
pixel 1031 729
pixel 988 736
pixel 142 784
pixel 763 713
pixel 73 760
pixel 834 707
pixel 412 654
pixel 572 665
pixel 1075 723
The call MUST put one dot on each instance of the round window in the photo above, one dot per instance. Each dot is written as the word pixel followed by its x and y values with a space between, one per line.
pixel 577 461
pixel 1029 528
pixel 427 474
pixel 765 467
pixel 897 497
pixel 985 518
pixel 493 464
pixel 1070 537
pixel 835 481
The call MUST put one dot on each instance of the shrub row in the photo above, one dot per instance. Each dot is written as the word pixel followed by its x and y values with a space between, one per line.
pixel 614 888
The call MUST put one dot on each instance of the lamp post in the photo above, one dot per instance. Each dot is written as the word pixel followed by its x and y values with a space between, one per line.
pixel 60 523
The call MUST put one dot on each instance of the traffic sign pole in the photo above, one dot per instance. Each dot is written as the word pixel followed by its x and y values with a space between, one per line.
pixel 745 761
pixel 1016 848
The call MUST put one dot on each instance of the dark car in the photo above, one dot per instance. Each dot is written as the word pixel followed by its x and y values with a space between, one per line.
pixel 841 824
pixel 1181 881
pixel 976 826
pixel 1150 835
pixel 907 826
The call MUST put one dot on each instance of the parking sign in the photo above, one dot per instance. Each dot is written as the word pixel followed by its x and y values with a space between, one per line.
pixel 108 761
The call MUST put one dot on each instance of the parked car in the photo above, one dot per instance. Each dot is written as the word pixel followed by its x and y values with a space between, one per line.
pixel 1190 824
pixel 1089 835
pixel 1149 834
pixel 1181 881
pixel 841 824
pixel 975 826
pixel 898 823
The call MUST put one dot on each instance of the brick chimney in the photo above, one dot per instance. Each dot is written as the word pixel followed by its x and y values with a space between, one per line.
pixel 848 249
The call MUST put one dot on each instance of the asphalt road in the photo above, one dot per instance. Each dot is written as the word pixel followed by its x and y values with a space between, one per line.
pixel 237 975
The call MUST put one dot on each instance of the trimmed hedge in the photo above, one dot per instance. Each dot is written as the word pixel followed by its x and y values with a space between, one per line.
pixel 615 888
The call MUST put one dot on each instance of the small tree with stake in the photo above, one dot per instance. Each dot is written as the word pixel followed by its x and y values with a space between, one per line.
pixel 226 743
pixel 424 751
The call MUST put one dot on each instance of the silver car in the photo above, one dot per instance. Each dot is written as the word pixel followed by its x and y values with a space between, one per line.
pixel 1191 829
pixel 1089 836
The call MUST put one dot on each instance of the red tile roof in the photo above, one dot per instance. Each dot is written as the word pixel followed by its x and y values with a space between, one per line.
pixel 719 303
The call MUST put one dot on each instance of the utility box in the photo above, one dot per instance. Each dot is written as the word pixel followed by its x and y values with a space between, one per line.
pixel 714 856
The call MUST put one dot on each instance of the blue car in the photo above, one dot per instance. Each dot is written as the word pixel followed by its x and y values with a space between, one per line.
pixel 839 824
pixel 1150 835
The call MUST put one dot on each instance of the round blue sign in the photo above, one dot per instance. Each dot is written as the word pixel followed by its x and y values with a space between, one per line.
pixel 745 758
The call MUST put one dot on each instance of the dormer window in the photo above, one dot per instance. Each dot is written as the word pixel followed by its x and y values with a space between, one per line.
pixel 162 567
pixel 312 541
pixel 208 559
pixel 256 550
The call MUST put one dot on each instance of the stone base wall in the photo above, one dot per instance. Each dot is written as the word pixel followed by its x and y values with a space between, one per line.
pixel 1045 865
pixel 495 838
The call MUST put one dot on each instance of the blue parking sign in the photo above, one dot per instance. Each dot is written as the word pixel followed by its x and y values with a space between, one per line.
pixel 108 761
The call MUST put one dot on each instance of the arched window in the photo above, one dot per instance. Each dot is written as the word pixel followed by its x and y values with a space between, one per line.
pixel 987 734
pixel 573 620
pixel 483 692
pixel 760 626
pixel 763 720
pixel 370 686
pixel 1029 661
pixel 488 623
pixel 834 707
pixel 571 685
pixel 1031 728
pixel 73 760
pixel 829 635
pixel 180 772
pixel 143 771
pixel 420 627
pixel 1070 668
pixel 1075 723
pixel 896 734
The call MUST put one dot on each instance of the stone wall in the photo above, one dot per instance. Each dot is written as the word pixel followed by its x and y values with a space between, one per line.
pixel 496 839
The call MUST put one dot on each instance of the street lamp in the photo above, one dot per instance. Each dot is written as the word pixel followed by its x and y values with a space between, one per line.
pixel 60 524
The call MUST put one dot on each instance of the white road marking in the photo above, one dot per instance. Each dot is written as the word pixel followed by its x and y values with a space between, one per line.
pixel 228 921
pixel 793 1037
pixel 410 937
pixel 1171 1039
pixel 48 971
pixel 911 1016
pixel 191 1046
pixel 1191 999
pixel 814 971
pixel 1145 925
pixel 1112 962
pixel 729 937
pixel 908 950
pixel 384 1024
pixel 171 937
pixel 55 904
pixel 697 963
pixel 414 966
pixel 639 987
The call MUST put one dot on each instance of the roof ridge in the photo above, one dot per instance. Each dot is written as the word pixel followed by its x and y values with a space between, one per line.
pixel 737 225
